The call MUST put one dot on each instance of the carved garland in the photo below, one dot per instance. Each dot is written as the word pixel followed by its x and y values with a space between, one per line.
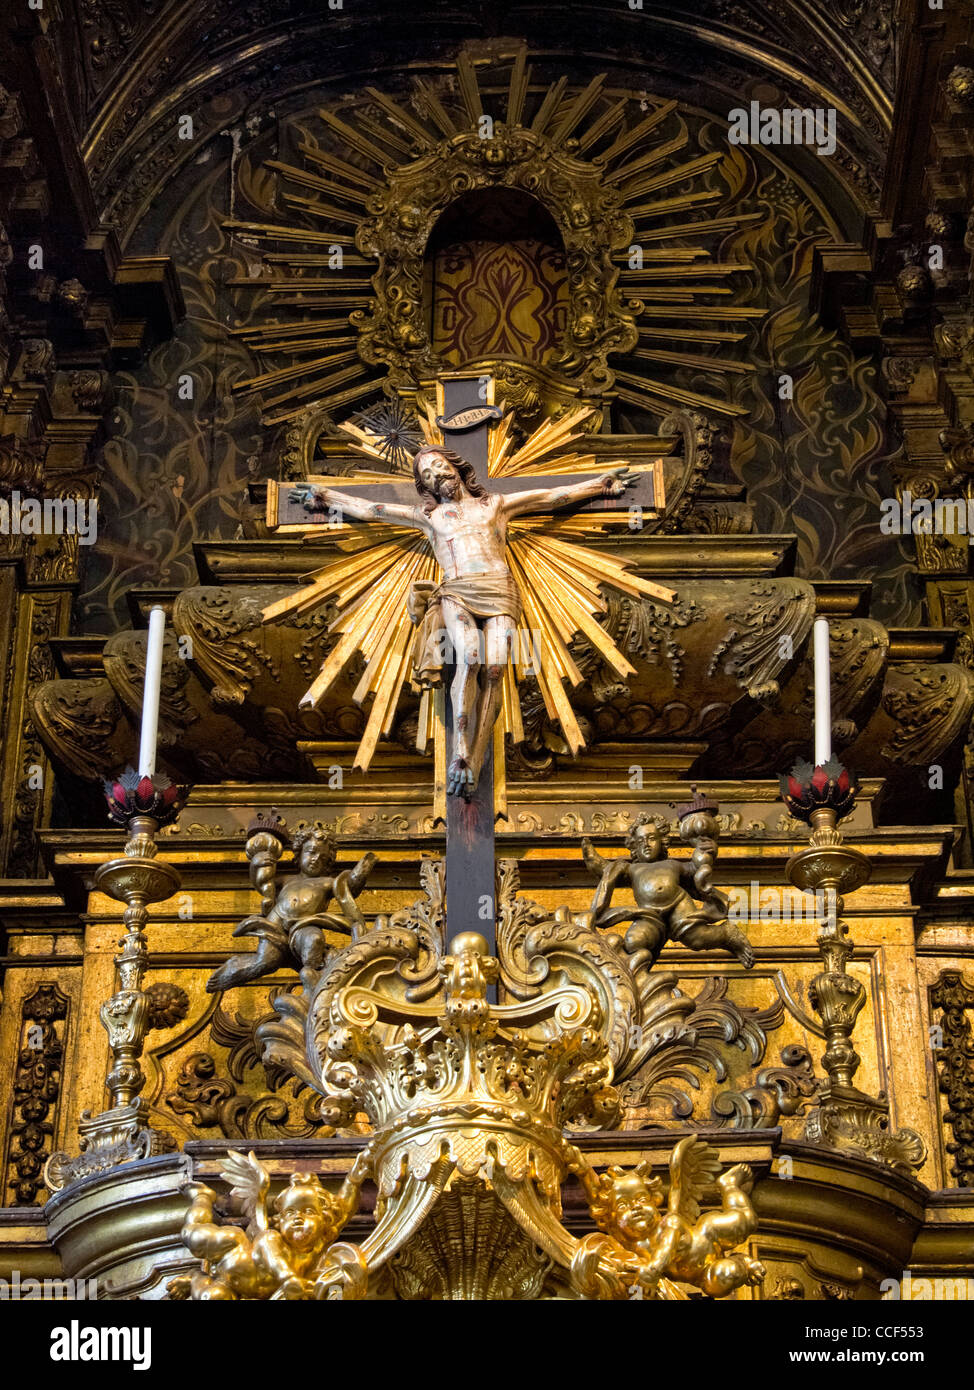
pixel 36 1093
pixel 954 996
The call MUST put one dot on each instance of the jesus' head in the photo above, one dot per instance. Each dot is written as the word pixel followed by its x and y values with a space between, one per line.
pixel 441 475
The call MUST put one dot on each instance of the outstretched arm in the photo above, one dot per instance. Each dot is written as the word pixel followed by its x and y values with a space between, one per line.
pixel 358 875
pixel 322 499
pixel 551 499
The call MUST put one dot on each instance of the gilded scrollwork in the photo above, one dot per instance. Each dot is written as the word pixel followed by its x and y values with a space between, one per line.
pixel 590 218
pixel 757 648
pixel 932 708
pixel 468 1103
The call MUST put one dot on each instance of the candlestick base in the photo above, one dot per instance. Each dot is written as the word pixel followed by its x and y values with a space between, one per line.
pixel 850 1121
pixel 122 1132
pixel 114 1136
pixel 845 1119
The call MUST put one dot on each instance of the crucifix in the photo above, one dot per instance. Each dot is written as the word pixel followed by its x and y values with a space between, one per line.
pixel 468 622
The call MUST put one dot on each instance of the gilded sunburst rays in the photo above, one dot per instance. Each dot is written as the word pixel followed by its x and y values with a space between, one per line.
pixel 667 280
pixel 559 579
pixel 641 206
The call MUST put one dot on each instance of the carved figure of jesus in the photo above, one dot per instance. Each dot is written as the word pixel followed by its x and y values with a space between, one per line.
pixel 473 614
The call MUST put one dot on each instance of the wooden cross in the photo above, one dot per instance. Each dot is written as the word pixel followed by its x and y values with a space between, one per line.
pixel 470 882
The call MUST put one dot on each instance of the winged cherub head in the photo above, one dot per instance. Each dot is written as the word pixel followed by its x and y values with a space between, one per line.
pixel 306 1214
pixel 631 1201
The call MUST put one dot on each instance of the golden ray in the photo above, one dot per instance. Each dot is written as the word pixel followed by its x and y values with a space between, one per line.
pixel 638 132
pixel 677 174
pixel 281 374
pixel 682 202
pixel 284 330
pixel 323 384
pixel 666 294
pixel 648 160
pixel 469 88
pixel 399 116
pixel 518 89
pixel 579 108
pixel 549 435
pixel 382 134
pixel 270 232
pixel 314 344
pixel 437 111
pixel 651 274
pixel 359 196
pixel 290 258
pixel 342 170
pixel 314 207
pixel 693 359
pixel 706 311
pixel 352 137
pixel 332 400
pixel 281 284
pixel 712 224
pixel 601 127
pixel 546 110
pixel 664 390
pixel 693 335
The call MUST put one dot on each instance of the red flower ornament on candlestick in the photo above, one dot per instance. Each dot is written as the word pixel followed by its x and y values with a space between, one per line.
pixel 807 789
pixel 130 795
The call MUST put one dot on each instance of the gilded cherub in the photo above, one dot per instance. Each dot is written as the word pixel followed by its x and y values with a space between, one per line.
pixel 289 1255
pixel 291 930
pixel 644 1248
pixel 674 901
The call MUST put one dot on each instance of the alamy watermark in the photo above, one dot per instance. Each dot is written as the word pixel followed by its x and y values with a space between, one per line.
pixel 941 516
pixel 52 516
pixel 19 1290
pixel 77 1343
pixel 794 125
pixel 914 1290
pixel 756 904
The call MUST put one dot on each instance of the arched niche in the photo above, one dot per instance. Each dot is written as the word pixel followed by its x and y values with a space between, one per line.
pixel 496 280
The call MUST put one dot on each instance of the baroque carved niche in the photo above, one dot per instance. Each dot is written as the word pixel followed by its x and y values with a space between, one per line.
pixel 395 330
pixel 486 221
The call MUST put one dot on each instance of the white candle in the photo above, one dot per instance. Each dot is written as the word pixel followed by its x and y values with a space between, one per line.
pixel 150 696
pixel 823 692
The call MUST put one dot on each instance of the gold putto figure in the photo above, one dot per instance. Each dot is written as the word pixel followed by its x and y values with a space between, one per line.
pixel 643 1248
pixel 289 1255
pixel 291 928
pixel 667 893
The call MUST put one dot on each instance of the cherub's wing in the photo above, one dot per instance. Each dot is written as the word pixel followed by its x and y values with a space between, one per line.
pixel 694 1166
pixel 250 1181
